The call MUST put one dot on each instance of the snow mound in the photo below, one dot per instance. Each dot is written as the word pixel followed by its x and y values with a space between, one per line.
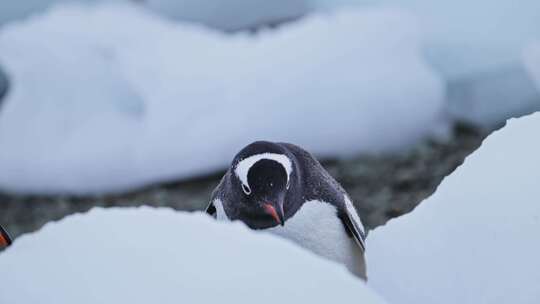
pixel 231 14
pixel 489 34
pixel 484 40
pixel 488 99
pixel 224 15
pixel 145 255
pixel 532 58
pixel 476 239
pixel 103 105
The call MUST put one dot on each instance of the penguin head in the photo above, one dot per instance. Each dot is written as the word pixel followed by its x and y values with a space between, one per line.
pixel 261 180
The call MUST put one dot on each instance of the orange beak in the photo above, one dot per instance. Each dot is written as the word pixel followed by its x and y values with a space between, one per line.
pixel 278 216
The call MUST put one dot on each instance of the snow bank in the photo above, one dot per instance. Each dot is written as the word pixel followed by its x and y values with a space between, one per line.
pixel 225 15
pixel 477 47
pixel 13 11
pixel 144 255
pixel 231 14
pixel 532 59
pixel 4 84
pixel 102 105
pixel 489 34
pixel 476 239
pixel 488 99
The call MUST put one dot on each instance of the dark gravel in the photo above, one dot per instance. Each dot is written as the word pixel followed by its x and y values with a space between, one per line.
pixel 382 187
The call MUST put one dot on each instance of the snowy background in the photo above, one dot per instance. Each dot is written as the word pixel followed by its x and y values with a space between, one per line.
pixel 120 103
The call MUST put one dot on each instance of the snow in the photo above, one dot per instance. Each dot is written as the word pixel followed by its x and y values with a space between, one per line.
pixel 232 14
pixel 102 105
pixel 13 11
pixel 490 34
pixel 476 46
pixel 146 255
pixel 476 239
pixel 4 84
pixel 532 59
pixel 229 15
pixel 490 98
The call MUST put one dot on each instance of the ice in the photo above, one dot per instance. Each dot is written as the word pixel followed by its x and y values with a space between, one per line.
pixel 98 105
pixel 147 256
pixel 476 239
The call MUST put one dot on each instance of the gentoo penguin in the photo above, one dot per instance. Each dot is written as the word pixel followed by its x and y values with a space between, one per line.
pixel 283 189
pixel 5 240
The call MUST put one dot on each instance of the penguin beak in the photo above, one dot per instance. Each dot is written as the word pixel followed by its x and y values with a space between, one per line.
pixel 276 211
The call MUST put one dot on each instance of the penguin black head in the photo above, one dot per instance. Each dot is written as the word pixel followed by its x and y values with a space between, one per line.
pixel 261 179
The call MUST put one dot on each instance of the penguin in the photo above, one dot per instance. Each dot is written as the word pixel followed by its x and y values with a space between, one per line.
pixel 281 188
pixel 5 240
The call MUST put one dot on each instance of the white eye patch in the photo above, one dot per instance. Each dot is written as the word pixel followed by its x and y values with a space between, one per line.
pixel 242 168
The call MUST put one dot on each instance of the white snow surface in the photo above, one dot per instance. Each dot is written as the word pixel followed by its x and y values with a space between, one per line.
pixel 489 34
pixel 148 256
pixel 232 14
pixel 532 59
pixel 98 105
pixel 224 15
pixel 476 239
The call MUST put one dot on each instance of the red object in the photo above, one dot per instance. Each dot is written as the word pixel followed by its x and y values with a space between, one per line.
pixel 5 240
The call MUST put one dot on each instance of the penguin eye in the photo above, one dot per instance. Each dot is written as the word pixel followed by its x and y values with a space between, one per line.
pixel 246 189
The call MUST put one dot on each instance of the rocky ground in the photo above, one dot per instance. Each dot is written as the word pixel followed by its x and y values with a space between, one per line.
pixel 382 187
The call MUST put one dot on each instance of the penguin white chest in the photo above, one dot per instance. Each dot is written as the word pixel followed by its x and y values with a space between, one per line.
pixel 317 227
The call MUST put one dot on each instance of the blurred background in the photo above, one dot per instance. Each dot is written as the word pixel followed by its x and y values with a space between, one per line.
pixel 145 102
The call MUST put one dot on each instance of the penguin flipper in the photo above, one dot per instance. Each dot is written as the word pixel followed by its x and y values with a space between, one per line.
pixel 352 225
pixel 5 240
